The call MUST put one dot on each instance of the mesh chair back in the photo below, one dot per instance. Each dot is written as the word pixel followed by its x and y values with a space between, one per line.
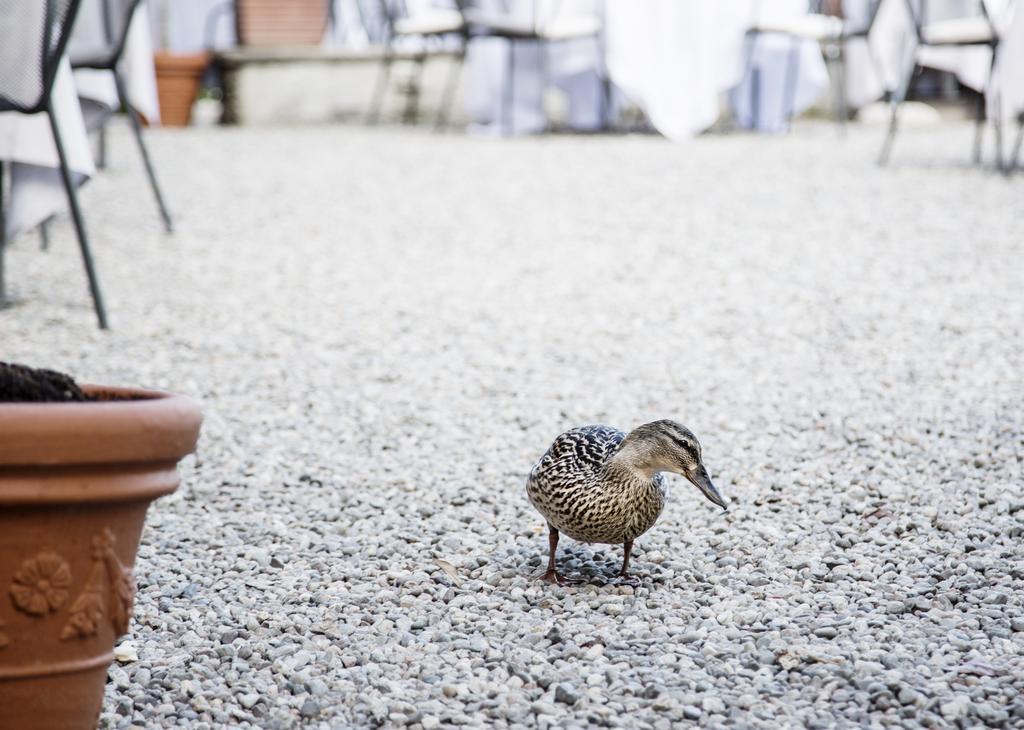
pixel 33 35
pixel 379 16
pixel 101 32
pixel 918 10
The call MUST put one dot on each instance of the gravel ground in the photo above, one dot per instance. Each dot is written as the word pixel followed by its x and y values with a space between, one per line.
pixel 387 327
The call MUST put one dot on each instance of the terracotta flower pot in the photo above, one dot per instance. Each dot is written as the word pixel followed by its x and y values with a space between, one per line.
pixel 280 22
pixel 177 84
pixel 75 482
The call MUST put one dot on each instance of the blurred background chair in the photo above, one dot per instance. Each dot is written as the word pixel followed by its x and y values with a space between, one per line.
pixel 103 52
pixel 421 33
pixel 33 37
pixel 542 29
pixel 830 24
pixel 972 30
pixel 1005 103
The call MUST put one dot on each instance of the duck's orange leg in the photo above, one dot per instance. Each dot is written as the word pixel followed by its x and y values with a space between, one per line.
pixel 624 575
pixel 552 575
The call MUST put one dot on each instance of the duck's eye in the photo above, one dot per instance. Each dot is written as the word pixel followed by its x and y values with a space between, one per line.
pixel 682 445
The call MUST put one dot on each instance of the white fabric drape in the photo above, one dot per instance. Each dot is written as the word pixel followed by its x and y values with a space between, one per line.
pixel 37 191
pixel 677 59
pixel 136 63
pixel 894 46
pixel 27 142
pixel 674 59
pixel 1007 101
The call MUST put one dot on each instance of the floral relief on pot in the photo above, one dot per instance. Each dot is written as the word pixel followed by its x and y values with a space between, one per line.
pixel 41 584
pixel 110 587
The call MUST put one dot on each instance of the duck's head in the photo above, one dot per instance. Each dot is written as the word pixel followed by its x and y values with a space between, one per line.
pixel 669 446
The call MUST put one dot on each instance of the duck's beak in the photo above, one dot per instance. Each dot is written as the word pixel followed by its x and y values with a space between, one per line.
pixel 702 481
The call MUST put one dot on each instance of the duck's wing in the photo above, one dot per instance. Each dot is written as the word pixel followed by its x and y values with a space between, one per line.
pixel 578 453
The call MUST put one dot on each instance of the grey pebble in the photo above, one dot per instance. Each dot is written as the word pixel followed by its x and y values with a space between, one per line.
pixel 248 701
pixel 692 712
pixel 310 708
pixel 566 694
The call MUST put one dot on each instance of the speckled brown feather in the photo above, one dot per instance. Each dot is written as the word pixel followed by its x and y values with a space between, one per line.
pixel 580 493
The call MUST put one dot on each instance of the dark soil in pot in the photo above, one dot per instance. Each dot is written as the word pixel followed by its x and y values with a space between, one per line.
pixel 22 384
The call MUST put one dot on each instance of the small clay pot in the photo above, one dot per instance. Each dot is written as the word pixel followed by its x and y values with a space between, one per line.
pixel 75 482
pixel 177 84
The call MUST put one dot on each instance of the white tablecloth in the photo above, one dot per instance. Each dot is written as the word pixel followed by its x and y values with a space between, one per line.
pixel 674 59
pixel 136 62
pixel 27 141
pixel 1008 75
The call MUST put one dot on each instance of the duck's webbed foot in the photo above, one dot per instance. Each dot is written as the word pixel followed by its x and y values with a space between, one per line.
pixel 623 577
pixel 555 578
pixel 551 575
pixel 627 579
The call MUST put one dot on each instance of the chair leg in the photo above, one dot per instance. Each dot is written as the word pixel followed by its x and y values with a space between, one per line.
pixel 44 234
pixel 133 117
pixel 509 97
pixel 607 123
pixel 76 216
pixel 750 41
pixel 792 73
pixel 544 50
pixel 842 112
pixel 1001 165
pixel 448 98
pixel 1011 166
pixel 883 155
pixel 382 83
pixel 606 85
pixel 411 113
pixel 101 157
pixel 755 97
pixel 898 97
pixel 3 240
pixel 979 128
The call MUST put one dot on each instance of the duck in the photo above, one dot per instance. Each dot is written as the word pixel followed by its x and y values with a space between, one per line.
pixel 598 484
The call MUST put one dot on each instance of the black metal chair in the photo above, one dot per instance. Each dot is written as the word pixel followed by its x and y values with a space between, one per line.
pixel 831 32
pixel 1011 166
pixel 428 26
pixel 976 30
pixel 86 52
pixel 483 23
pixel 40 29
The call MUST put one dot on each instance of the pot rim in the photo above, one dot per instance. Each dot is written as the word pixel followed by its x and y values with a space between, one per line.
pixel 181 64
pixel 155 427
